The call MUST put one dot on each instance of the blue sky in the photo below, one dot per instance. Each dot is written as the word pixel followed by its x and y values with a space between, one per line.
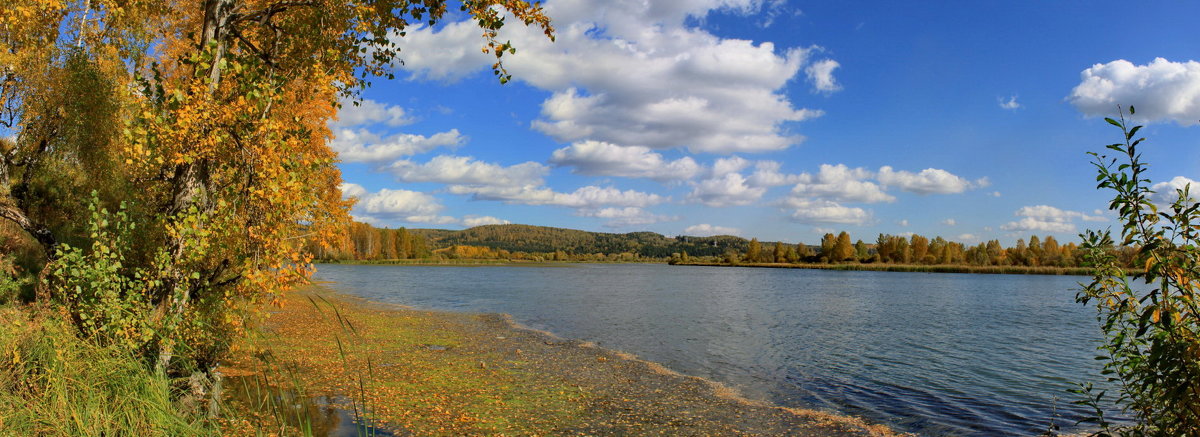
pixel 778 120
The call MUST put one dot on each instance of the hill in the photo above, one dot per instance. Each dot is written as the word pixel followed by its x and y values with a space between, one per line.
pixel 543 239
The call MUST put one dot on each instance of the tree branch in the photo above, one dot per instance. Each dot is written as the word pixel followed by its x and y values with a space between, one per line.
pixel 37 231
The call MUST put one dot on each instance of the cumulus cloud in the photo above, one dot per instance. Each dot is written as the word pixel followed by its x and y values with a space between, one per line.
pixel 842 184
pixel 767 174
pixel 585 197
pixel 597 158
pixel 732 164
pixel 387 207
pixel 729 189
pixel 625 217
pixel 949 222
pixel 1166 193
pixel 463 170
pixel 967 238
pixel 826 212
pixel 820 74
pixel 1161 90
pixel 368 111
pixel 634 73
pixel 707 230
pixel 903 222
pixel 394 205
pixel 471 221
pixel 927 181
pixel 1045 218
pixel 361 145
pixel 1011 104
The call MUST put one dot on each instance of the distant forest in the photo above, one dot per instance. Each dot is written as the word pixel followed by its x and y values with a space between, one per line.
pixel 518 242
pixel 540 243
pixel 912 250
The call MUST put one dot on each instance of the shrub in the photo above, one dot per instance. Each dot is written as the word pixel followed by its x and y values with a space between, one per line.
pixel 1152 332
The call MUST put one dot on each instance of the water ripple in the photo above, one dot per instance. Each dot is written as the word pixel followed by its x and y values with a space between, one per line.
pixel 935 354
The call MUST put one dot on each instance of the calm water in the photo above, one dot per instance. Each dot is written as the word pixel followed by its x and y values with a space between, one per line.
pixel 936 354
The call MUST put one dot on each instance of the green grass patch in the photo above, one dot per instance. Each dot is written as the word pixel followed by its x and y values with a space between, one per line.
pixel 53 383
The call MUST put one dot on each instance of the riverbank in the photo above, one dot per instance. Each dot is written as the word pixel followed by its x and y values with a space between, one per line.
pixel 439 373
pixel 478 262
pixel 940 268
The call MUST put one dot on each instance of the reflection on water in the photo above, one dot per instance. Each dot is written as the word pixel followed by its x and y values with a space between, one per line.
pixel 936 354
pixel 310 415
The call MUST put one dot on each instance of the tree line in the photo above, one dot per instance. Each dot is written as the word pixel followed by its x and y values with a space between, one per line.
pixel 914 249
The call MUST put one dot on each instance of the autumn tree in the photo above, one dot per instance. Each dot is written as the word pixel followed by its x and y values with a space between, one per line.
pixel 780 254
pixel 803 251
pixel 860 250
pixel 828 241
pixel 754 251
pixel 200 130
pixel 843 249
pixel 920 248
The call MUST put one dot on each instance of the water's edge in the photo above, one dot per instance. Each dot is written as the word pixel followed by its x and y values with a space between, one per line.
pixel 719 389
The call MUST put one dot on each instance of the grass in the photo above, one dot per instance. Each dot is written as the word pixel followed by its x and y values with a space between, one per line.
pixel 937 268
pixel 405 370
pixel 54 384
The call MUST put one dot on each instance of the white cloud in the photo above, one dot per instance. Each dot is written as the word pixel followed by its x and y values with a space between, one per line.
pixel 766 174
pixel 387 206
pixel 1010 104
pixel 825 211
pixel 842 184
pixel 462 170
pixel 707 230
pixel 927 181
pixel 732 164
pixel 361 145
pixel 471 221
pixel 820 74
pixel 1165 193
pixel 596 158
pixel 368 111
pixel 949 222
pixel 1038 225
pixel 352 190
pixel 903 222
pixel 1161 90
pixel 585 197
pixel 994 194
pixel 635 73
pixel 625 217
pixel 727 190
pixel 1045 218
pixel 967 238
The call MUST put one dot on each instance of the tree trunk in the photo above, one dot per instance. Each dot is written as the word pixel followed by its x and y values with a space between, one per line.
pixel 191 181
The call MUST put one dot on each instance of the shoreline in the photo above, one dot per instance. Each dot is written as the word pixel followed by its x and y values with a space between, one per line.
pixel 911 268
pixel 444 373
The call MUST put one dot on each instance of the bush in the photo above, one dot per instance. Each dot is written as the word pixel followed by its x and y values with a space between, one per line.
pixel 1152 333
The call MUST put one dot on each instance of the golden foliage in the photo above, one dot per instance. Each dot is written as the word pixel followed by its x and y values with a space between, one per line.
pixel 209 119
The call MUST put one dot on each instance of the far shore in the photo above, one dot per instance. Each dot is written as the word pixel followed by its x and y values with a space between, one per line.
pixel 478 262
pixel 936 268
pixel 416 372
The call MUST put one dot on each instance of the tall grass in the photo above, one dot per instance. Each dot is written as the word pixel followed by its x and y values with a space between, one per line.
pixel 53 383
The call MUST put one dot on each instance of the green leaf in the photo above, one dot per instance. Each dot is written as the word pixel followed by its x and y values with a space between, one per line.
pixel 1113 122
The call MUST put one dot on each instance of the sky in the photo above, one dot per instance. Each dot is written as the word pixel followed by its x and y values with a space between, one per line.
pixel 780 120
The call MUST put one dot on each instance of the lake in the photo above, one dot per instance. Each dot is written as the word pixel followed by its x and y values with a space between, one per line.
pixel 930 353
